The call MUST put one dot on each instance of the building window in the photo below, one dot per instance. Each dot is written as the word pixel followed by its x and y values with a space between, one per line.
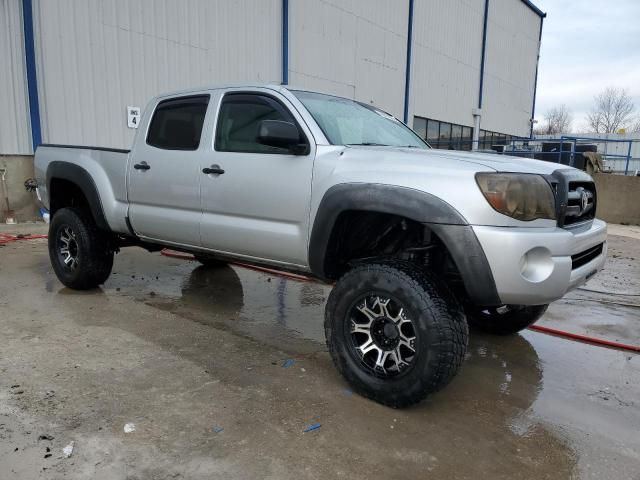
pixel 489 140
pixel 433 129
pixel 456 136
pixel 467 138
pixel 444 139
pixel 451 136
pixel 420 126
pixel 443 135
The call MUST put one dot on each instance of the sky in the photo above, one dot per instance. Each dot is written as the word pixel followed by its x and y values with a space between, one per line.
pixel 587 45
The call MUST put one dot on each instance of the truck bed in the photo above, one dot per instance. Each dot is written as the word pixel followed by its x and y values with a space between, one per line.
pixel 106 169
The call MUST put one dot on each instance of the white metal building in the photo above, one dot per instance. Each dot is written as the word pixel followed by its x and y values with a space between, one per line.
pixel 70 68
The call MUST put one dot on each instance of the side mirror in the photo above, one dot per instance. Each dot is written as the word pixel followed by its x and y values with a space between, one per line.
pixel 280 134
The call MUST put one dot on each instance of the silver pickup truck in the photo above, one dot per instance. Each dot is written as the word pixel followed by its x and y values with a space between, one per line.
pixel 418 242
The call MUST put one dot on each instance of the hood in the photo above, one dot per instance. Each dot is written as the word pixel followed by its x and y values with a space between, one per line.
pixel 461 160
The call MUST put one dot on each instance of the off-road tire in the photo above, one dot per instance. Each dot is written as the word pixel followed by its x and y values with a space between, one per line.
pixel 441 331
pixel 505 320
pixel 92 251
pixel 209 261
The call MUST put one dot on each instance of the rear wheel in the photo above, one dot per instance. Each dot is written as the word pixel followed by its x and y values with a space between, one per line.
pixel 394 333
pixel 506 319
pixel 79 252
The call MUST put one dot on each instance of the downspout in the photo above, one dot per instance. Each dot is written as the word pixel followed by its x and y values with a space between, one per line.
pixel 477 112
pixel 32 79
pixel 535 84
pixel 407 79
pixel 476 130
pixel 285 42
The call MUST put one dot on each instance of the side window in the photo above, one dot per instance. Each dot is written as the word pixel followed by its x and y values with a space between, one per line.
pixel 239 121
pixel 177 123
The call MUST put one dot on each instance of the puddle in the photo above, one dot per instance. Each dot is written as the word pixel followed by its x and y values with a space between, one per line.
pixel 279 312
pixel 523 393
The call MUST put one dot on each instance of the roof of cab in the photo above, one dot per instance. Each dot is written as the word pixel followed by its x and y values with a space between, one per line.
pixel 208 88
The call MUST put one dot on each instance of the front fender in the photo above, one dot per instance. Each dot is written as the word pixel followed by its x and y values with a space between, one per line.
pixel 373 197
pixel 442 218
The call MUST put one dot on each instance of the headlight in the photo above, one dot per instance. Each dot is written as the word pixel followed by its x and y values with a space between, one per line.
pixel 524 197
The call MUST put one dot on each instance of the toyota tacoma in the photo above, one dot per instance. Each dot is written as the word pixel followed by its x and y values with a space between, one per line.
pixel 418 243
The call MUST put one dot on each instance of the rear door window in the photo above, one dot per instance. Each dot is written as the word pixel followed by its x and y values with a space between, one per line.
pixel 177 123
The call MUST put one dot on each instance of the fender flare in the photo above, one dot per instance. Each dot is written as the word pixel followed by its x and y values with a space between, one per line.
pixel 373 197
pixel 442 218
pixel 81 178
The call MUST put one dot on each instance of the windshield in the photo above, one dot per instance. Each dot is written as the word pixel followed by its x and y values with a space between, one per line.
pixel 346 122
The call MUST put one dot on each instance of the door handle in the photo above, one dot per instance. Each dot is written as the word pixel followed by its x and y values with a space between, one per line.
pixel 213 169
pixel 142 166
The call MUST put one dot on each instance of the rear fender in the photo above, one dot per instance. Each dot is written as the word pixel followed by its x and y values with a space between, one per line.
pixel 81 178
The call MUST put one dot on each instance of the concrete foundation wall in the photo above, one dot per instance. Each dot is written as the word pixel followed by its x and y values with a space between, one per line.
pixel 23 203
pixel 618 198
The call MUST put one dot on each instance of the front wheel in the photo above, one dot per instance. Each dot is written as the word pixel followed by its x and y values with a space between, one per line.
pixel 505 320
pixel 394 333
pixel 80 254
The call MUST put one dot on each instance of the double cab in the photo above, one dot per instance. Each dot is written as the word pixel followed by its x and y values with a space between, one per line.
pixel 418 242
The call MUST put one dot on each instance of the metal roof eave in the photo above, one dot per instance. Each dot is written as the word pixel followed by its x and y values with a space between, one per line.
pixel 530 4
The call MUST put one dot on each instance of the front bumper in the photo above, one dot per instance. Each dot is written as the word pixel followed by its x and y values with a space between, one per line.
pixel 534 266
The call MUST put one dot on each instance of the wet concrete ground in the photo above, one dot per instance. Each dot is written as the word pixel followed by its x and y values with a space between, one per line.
pixel 194 358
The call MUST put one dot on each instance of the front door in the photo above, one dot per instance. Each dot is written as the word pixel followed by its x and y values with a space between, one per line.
pixel 164 179
pixel 256 198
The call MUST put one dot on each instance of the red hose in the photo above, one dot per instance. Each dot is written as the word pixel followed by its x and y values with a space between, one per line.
pixel 6 238
pixel 294 276
pixel 537 328
pixel 186 256
pixel 173 254
pixel 584 338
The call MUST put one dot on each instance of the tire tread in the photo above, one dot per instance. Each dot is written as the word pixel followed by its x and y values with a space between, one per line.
pixel 97 260
pixel 440 303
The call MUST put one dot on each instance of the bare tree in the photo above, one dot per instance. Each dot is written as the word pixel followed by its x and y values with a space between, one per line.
pixel 613 109
pixel 635 128
pixel 556 120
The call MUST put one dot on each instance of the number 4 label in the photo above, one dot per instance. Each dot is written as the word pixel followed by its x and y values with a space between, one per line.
pixel 133 117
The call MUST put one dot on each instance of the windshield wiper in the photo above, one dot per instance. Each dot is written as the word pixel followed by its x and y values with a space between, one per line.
pixel 372 144
pixel 368 144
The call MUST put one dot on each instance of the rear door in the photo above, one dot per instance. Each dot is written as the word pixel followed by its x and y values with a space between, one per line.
pixel 164 172
pixel 258 204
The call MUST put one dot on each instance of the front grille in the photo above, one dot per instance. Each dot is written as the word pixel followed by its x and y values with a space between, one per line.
pixel 576 197
pixel 582 258
pixel 581 202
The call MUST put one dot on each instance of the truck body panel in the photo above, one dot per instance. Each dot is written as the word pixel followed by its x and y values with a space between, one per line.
pixel 107 168
pixel 262 206
pixel 261 198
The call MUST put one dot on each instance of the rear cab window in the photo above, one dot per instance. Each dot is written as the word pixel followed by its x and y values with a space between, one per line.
pixel 177 123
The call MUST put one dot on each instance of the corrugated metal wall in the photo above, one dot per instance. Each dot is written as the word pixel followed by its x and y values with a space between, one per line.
pixel 446 59
pixel 15 133
pixel 353 48
pixel 510 68
pixel 96 57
